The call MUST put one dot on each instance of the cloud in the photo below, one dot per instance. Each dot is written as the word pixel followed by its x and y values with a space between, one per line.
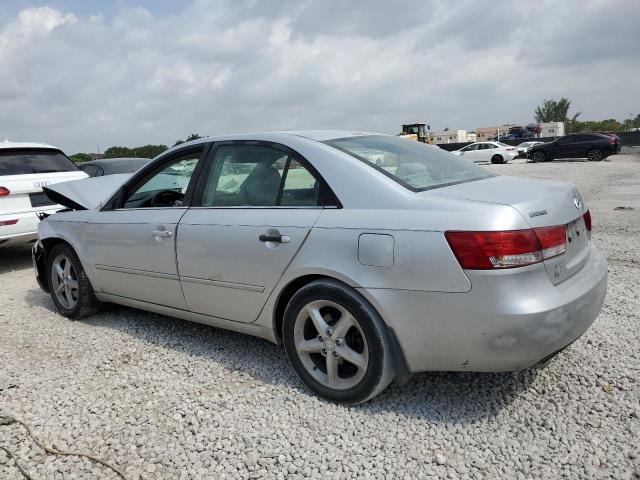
pixel 87 78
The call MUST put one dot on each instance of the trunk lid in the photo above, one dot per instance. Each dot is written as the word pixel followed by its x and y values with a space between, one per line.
pixel 542 203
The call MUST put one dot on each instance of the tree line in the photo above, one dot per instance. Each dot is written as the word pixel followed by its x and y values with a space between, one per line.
pixel 558 111
pixel 144 151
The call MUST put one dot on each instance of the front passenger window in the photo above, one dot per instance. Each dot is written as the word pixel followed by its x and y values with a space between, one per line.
pixel 167 187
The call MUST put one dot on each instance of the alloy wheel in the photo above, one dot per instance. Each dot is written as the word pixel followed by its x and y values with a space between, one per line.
pixel 331 344
pixel 64 281
pixel 594 155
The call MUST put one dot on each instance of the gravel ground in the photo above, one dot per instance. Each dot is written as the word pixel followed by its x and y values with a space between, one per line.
pixel 163 398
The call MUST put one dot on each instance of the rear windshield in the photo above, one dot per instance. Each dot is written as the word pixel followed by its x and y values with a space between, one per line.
pixel 20 162
pixel 414 165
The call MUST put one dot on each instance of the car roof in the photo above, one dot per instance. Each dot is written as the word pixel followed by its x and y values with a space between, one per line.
pixel 316 135
pixel 6 144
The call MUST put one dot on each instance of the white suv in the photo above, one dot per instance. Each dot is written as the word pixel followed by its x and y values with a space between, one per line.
pixel 24 169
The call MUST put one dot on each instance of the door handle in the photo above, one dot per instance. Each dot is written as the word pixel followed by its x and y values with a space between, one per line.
pixel 162 233
pixel 274 238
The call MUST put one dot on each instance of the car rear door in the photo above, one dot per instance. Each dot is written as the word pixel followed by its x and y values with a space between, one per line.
pixel 131 244
pixel 256 206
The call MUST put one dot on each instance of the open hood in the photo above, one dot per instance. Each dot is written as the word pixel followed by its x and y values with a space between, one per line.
pixel 87 193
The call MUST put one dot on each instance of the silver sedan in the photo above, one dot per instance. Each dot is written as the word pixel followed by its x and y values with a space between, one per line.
pixel 369 257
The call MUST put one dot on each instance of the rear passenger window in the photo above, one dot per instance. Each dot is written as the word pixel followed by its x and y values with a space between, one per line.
pixel 245 175
pixel 90 170
pixel 259 176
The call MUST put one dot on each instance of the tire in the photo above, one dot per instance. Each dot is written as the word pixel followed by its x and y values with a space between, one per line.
pixel 497 159
pixel 70 288
pixel 323 359
pixel 539 157
pixel 595 155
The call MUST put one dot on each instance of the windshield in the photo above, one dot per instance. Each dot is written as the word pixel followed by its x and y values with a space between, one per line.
pixel 20 162
pixel 414 165
pixel 502 144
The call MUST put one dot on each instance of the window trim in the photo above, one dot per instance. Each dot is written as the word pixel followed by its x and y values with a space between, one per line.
pixel 210 163
pixel 116 201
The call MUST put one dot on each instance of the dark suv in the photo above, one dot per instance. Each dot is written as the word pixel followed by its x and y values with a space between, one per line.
pixel 592 146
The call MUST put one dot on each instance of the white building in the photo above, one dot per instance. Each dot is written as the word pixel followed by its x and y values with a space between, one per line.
pixel 552 129
pixel 450 136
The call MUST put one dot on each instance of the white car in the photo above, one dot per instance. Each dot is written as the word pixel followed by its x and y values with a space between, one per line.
pixel 24 169
pixel 522 149
pixel 484 152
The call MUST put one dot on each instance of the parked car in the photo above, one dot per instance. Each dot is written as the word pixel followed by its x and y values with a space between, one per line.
pixel 112 166
pixel 522 149
pixel 24 169
pixel 494 152
pixel 365 272
pixel 592 146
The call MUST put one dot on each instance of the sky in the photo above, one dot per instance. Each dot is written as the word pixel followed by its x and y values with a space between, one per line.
pixel 88 74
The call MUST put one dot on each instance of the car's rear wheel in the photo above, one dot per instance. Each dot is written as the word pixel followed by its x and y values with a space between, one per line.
pixel 337 343
pixel 71 290
pixel 497 159
pixel 539 157
pixel 595 155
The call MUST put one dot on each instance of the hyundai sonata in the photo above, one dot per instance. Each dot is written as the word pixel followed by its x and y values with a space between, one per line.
pixel 369 257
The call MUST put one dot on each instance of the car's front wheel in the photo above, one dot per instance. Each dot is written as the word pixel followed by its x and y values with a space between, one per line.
pixel 70 289
pixel 337 343
pixel 595 155
pixel 539 156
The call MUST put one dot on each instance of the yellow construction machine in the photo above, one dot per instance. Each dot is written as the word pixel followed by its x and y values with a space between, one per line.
pixel 416 131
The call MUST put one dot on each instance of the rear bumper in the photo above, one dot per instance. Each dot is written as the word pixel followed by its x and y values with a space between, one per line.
pixel 510 320
pixel 24 231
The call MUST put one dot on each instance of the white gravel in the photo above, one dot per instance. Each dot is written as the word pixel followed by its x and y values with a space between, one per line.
pixel 163 398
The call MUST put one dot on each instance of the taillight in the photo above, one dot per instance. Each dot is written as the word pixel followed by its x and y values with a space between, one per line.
pixel 612 141
pixel 510 149
pixel 587 219
pixel 506 249
pixel 7 222
pixel 4 191
pixel 553 240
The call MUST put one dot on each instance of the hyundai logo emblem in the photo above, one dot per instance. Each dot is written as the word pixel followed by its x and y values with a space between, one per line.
pixel 577 202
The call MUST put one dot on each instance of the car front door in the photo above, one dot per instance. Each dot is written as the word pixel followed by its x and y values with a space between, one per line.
pixel 562 147
pixel 131 243
pixel 471 152
pixel 256 206
pixel 482 154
